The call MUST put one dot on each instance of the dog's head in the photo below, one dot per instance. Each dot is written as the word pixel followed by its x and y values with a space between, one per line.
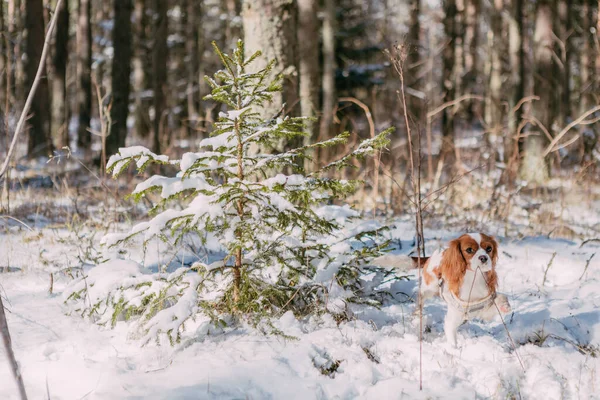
pixel 472 251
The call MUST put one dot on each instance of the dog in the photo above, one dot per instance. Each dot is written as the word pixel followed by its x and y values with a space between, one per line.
pixel 464 276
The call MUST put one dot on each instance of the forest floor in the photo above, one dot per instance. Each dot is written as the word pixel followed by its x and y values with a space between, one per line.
pixel 553 284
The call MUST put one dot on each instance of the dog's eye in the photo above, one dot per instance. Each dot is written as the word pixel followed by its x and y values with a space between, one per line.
pixel 489 249
pixel 470 250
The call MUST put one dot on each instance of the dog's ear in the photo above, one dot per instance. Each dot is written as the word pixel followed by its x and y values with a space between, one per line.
pixel 454 266
pixel 494 251
pixel 491 279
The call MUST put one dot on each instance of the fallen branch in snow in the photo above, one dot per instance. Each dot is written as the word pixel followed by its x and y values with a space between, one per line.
pixel 10 355
pixel 34 86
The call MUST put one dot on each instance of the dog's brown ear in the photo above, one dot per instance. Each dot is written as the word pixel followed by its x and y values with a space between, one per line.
pixel 494 251
pixel 453 266
pixel 492 280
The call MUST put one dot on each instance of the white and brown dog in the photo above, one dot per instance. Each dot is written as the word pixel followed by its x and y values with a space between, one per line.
pixel 464 276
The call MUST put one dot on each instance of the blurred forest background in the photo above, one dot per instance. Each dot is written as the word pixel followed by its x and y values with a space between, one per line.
pixel 501 94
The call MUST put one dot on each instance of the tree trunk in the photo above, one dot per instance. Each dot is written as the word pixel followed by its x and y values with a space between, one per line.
pixel 121 71
pixel 4 52
pixel 270 26
pixel 459 53
pixel 328 83
pixel 564 34
pixel 449 60
pixel 494 109
pixel 413 59
pixel 471 58
pixel 140 69
pixel 40 141
pixel 589 135
pixel 60 107
pixel 534 169
pixel 517 73
pixel 159 74
pixel 308 37
pixel 84 74
pixel 192 45
pixel 15 32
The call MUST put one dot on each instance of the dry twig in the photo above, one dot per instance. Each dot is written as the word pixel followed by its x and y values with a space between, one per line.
pixel 398 59
pixel 10 355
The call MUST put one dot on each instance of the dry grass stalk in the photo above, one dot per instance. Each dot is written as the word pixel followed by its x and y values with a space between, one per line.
pixel 398 58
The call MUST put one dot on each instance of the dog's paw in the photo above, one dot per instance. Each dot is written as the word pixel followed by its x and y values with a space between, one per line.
pixel 503 304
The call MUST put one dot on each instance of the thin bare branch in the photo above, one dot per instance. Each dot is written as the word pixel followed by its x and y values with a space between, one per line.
pixel 10 354
pixel 550 148
pixel 454 102
pixel 523 101
pixel 376 158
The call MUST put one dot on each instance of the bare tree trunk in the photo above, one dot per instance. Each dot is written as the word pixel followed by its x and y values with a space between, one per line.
pixel 517 73
pixel 159 72
pixel 413 59
pixel 4 54
pixel 589 135
pixel 84 74
pixel 471 58
pixel 459 53
pixel 15 32
pixel 534 169
pixel 270 26
pixel 140 69
pixel 192 44
pixel 40 141
pixel 494 109
pixel 565 34
pixel 308 37
pixel 121 71
pixel 60 107
pixel 449 60
pixel 328 83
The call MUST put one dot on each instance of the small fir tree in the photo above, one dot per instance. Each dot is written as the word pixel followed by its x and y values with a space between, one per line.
pixel 281 235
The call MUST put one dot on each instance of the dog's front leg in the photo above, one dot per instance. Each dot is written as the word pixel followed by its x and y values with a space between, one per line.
pixel 454 318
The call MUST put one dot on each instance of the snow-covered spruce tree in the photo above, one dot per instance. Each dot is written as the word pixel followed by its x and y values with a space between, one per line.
pixel 283 243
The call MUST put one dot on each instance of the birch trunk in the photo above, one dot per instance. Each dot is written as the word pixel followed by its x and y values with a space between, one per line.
pixel 308 48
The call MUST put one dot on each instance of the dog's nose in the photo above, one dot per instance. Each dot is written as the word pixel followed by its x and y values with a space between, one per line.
pixel 483 259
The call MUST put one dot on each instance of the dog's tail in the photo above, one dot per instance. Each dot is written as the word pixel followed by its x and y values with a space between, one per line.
pixel 399 262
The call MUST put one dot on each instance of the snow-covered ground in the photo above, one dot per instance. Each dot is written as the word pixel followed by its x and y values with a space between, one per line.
pixel 555 327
